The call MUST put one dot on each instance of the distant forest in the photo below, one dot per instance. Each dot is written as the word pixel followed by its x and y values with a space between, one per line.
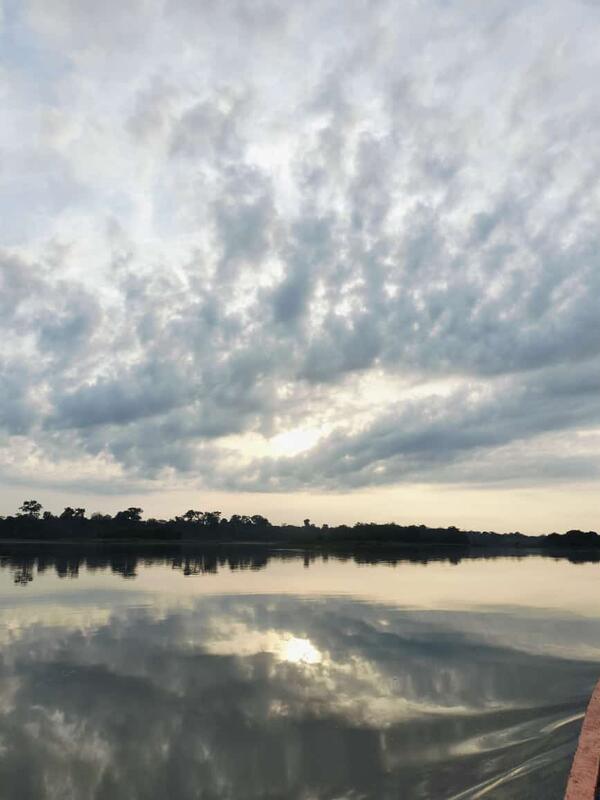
pixel 31 522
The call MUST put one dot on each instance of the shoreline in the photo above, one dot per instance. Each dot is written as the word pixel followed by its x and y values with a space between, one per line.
pixel 348 547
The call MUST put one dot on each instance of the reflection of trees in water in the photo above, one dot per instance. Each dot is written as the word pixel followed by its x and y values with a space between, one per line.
pixel 22 570
pixel 25 561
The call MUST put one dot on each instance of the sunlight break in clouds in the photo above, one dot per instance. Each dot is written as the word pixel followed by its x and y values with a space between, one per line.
pixel 277 250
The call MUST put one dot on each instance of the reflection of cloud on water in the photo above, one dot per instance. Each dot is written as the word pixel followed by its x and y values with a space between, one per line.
pixel 346 681
pixel 13 626
pixel 277 697
pixel 299 651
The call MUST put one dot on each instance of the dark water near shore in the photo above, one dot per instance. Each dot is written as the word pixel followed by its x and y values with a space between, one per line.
pixel 244 673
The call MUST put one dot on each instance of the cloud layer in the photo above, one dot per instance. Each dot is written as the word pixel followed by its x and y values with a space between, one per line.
pixel 277 246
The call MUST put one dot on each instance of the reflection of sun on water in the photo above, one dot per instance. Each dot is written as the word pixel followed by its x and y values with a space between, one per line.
pixel 300 651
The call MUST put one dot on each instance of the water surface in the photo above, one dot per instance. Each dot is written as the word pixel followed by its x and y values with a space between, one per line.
pixel 250 673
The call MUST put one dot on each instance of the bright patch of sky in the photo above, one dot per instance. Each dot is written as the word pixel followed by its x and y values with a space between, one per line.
pixel 300 248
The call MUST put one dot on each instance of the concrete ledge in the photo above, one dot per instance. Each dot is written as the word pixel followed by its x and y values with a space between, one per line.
pixel 583 780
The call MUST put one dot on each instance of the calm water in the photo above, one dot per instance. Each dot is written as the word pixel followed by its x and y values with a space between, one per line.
pixel 248 674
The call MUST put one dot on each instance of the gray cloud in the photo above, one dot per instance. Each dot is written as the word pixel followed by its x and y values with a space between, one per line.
pixel 463 437
pixel 241 234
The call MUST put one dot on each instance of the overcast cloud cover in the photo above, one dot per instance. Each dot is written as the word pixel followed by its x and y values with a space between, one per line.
pixel 280 246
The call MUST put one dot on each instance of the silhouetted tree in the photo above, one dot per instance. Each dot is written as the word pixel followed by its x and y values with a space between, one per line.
pixel 260 521
pixel 30 508
pixel 211 518
pixel 240 520
pixel 131 514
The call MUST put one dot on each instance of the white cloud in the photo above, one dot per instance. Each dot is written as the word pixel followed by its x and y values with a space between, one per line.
pixel 206 204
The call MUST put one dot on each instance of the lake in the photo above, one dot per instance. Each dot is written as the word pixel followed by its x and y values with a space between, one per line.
pixel 166 672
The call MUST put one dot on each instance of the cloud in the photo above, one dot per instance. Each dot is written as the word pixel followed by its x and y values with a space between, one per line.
pixel 210 240
pixel 464 436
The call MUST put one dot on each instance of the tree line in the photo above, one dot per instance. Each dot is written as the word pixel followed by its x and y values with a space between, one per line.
pixel 31 521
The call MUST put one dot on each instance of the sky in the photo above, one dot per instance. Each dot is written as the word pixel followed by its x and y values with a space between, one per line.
pixel 336 260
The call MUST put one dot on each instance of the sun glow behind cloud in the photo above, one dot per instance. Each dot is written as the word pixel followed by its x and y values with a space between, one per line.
pixel 220 276
pixel 292 442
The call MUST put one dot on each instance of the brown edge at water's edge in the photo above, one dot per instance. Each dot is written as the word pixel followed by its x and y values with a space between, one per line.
pixel 583 780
